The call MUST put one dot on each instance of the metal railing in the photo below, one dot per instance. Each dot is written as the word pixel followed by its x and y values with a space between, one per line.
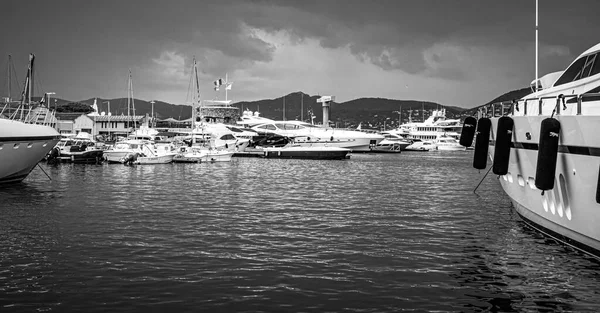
pixel 508 107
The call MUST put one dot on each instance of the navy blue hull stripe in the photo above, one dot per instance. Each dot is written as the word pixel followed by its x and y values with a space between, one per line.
pixel 32 138
pixel 591 151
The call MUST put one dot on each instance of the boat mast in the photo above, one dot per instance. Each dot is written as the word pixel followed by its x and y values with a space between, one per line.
pixel 196 95
pixel 536 45
pixel 31 58
pixel 9 78
pixel 302 106
pixel 284 108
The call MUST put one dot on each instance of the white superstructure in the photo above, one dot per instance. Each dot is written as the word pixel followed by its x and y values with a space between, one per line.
pixel 434 126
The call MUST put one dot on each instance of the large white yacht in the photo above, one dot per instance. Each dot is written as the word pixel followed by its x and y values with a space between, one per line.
pixel 22 146
pixel 549 159
pixel 305 134
pixel 23 142
pixel 435 126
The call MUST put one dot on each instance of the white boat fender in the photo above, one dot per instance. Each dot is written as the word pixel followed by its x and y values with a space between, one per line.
pixel 482 138
pixel 468 131
pixel 547 154
pixel 504 134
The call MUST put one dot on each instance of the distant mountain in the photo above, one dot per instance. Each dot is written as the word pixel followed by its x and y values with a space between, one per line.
pixel 375 111
pixel 369 111
pixel 509 96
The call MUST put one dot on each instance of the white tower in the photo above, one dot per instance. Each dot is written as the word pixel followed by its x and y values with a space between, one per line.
pixel 326 100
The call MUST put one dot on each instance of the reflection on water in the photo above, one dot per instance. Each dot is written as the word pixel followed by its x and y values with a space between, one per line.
pixel 374 233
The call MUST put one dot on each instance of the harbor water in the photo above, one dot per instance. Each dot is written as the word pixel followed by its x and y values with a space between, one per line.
pixel 375 233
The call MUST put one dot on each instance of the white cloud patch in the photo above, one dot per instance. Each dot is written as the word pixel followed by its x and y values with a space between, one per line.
pixel 171 66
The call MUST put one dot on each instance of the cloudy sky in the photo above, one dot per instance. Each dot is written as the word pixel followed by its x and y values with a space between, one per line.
pixel 454 52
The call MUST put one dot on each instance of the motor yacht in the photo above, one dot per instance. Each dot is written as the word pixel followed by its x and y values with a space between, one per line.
pixel 305 134
pixel 545 147
pixel 434 126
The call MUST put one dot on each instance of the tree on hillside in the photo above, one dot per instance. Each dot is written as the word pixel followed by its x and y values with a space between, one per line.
pixel 74 107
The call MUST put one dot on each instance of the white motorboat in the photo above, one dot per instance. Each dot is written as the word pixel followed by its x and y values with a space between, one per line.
pixel 136 151
pixel 306 134
pixel 447 143
pixel 392 142
pixel 419 145
pixel 79 148
pixel 196 154
pixel 294 151
pixel 546 150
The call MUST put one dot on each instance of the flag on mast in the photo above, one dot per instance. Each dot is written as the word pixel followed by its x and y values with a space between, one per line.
pixel 218 83
pixel 228 86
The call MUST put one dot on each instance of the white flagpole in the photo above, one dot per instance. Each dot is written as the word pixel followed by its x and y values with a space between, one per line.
pixel 226 80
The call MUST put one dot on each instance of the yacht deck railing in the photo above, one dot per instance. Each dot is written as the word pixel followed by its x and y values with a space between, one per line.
pixel 508 107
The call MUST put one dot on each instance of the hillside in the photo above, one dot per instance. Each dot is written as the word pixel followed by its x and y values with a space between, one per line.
pixel 375 112
pixel 509 96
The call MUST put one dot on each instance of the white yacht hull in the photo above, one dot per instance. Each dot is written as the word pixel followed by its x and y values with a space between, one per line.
pixel 204 156
pixel 569 212
pixel 451 148
pixel 161 159
pixel 112 156
pixel 356 145
pixel 22 146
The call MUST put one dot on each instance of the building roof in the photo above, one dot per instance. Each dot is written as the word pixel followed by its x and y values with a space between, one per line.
pixel 67 116
pixel 116 118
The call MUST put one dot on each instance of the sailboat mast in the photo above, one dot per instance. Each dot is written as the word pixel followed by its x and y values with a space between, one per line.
pixel 9 78
pixel 31 59
pixel 226 82
pixel 536 45
pixel 196 95
pixel 284 108
pixel 302 107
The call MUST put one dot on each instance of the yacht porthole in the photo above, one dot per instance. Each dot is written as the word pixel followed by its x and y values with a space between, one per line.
pixel 531 183
pixel 559 206
pixel 565 196
pixel 16 146
pixel 520 180
pixel 504 177
pixel 1 146
pixel 545 202
pixel 510 179
pixel 45 144
pixel 551 203
pixel 29 145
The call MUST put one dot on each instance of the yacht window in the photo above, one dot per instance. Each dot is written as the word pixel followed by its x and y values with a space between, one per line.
pixel 280 126
pixel 234 129
pixel 227 137
pixel 267 126
pixel 293 127
pixel 589 64
pixel 572 73
pixel 595 68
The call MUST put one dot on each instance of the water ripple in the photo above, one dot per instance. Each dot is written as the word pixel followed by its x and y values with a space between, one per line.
pixel 374 233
